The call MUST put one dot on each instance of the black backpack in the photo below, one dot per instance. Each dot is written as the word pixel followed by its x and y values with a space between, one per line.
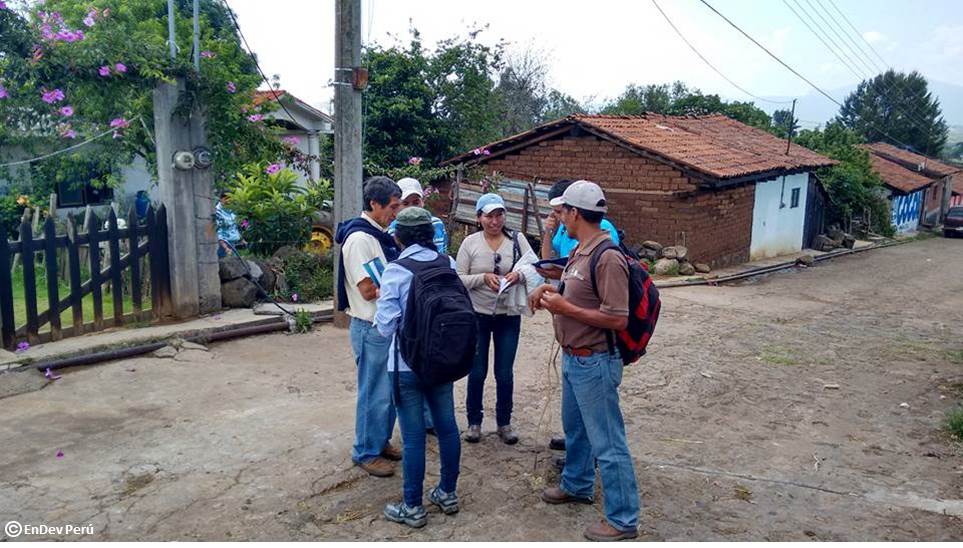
pixel 644 306
pixel 439 331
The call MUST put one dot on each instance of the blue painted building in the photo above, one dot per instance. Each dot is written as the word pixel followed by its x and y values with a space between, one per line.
pixel 905 190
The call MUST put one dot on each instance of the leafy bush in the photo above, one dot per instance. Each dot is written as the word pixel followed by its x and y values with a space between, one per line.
pixel 11 211
pixel 272 210
pixel 309 276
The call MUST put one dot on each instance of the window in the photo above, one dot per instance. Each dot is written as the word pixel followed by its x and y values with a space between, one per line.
pixel 794 198
pixel 75 187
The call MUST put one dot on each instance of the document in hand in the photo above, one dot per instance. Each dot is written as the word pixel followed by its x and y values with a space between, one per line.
pixel 549 264
pixel 375 268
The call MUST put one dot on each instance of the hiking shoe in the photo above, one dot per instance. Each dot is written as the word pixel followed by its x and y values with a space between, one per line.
pixel 400 512
pixel 447 502
pixel 378 467
pixel 391 452
pixel 555 495
pixel 560 463
pixel 507 434
pixel 603 532
pixel 557 444
pixel 474 433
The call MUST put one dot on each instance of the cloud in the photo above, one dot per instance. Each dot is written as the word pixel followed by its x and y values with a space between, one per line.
pixel 873 36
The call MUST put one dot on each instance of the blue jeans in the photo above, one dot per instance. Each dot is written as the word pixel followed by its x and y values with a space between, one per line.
pixel 375 416
pixel 503 329
pixel 594 430
pixel 440 399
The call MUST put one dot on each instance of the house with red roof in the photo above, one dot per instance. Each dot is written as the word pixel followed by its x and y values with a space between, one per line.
pixel 729 192
pixel 937 197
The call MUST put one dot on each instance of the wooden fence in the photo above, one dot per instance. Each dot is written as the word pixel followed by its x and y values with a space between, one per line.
pixel 526 204
pixel 144 241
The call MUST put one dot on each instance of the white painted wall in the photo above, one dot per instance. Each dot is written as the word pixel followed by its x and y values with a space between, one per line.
pixel 777 227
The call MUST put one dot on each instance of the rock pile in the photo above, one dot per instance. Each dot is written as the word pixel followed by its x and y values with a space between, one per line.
pixel 671 259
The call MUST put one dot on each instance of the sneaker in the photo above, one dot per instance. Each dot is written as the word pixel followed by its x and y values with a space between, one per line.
pixel 402 513
pixel 378 467
pixel 447 502
pixel 603 532
pixel 391 452
pixel 507 434
pixel 474 433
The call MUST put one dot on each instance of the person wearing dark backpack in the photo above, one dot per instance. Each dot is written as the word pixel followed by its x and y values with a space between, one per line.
pixel 426 312
pixel 584 319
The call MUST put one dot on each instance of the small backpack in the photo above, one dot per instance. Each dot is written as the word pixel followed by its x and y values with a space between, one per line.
pixel 644 306
pixel 439 332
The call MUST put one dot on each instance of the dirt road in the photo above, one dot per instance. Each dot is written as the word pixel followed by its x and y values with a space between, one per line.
pixel 734 419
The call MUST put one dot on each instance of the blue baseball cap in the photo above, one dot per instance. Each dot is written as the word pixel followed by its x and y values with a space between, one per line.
pixel 489 202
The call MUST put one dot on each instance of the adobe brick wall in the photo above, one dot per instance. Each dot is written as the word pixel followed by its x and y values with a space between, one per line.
pixel 647 199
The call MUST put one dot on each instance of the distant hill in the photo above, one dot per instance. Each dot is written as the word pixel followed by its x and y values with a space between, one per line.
pixel 813 109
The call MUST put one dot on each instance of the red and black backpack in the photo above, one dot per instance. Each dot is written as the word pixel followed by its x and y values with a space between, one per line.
pixel 644 305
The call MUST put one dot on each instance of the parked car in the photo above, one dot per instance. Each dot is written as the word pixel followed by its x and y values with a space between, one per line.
pixel 953 223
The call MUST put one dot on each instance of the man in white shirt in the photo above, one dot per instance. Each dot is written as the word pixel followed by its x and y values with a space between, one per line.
pixel 366 249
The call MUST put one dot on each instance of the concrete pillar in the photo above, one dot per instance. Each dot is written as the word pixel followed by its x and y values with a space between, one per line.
pixel 314 149
pixel 188 195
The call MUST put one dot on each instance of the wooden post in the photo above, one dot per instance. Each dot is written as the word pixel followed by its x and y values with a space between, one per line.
pixel 116 282
pixel 29 282
pixel 76 296
pixel 53 279
pixel 96 282
pixel 8 328
pixel 134 254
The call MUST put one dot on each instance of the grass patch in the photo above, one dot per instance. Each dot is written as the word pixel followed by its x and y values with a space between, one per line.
pixel 954 356
pixel 776 355
pixel 954 423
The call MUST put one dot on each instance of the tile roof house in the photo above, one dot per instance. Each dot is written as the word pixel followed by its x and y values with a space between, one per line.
pixel 904 188
pixel 300 123
pixel 937 197
pixel 728 191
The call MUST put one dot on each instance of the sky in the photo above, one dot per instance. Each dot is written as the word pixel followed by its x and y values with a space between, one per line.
pixel 597 48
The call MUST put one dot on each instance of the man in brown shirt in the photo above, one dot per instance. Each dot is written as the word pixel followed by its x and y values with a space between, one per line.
pixel 591 370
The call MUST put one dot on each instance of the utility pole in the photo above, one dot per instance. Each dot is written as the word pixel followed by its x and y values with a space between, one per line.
pixel 792 124
pixel 349 80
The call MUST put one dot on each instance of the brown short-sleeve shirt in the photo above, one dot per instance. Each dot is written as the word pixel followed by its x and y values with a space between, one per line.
pixel 612 277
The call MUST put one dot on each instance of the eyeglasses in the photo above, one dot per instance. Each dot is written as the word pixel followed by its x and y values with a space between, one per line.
pixel 498 259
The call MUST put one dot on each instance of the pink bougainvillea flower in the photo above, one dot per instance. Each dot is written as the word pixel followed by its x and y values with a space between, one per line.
pixel 23 346
pixel 104 71
pixel 231 87
pixel 67 111
pixel 245 224
pixel 414 160
pixel 486 152
pixel 207 54
pixel 68 134
pixel 272 169
pixel 46 32
pixel 3 5
pixel 60 454
pixel 120 68
pixel 292 140
pixel 294 297
pixel 120 122
pixel 3 92
pixel 255 117
pixel 89 21
pixel 476 152
pixel 50 375
pixel 51 97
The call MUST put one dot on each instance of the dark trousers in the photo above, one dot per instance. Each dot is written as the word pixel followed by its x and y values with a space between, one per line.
pixel 503 330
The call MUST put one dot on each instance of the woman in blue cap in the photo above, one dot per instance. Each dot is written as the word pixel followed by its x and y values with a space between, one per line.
pixel 486 262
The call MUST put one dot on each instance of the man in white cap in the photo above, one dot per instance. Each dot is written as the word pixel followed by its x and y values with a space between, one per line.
pixel 584 316
pixel 412 195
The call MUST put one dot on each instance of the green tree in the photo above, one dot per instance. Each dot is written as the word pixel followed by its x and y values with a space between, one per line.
pixel 783 122
pixel 854 188
pixel 896 106
pixel 73 69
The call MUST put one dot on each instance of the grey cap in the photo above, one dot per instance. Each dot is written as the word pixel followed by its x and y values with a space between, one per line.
pixel 583 195
pixel 413 216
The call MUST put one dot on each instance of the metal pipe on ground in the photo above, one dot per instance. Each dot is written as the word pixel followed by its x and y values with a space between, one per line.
pixel 137 350
pixel 773 268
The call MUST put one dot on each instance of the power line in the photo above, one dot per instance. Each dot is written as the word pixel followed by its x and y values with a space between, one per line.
pixel 843 46
pixel 706 61
pixel 819 36
pixel 878 56
pixel 58 152
pixel 794 71
pixel 274 93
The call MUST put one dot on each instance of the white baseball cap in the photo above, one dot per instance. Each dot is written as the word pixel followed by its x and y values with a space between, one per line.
pixel 583 195
pixel 410 186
